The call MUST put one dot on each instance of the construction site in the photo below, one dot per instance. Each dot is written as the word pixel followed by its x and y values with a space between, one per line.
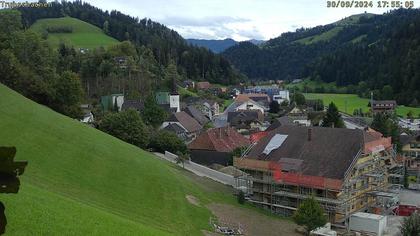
pixel 345 171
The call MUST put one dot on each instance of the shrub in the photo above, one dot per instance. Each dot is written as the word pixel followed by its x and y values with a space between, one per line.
pixel 411 225
pixel 167 141
pixel 127 126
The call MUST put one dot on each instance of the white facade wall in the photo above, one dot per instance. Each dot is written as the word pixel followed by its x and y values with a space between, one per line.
pixel 282 96
pixel 248 105
pixel 174 102
pixel 120 101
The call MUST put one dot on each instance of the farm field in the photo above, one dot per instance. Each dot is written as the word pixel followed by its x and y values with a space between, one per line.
pixel 347 103
pixel 84 35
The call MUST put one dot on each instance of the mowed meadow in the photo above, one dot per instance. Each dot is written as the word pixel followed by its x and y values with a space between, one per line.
pixel 83 35
pixel 347 103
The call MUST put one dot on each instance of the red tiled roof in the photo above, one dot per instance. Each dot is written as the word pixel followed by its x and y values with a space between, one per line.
pixel 249 96
pixel 224 139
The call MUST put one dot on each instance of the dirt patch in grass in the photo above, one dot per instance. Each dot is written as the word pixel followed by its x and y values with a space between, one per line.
pixel 252 223
pixel 193 200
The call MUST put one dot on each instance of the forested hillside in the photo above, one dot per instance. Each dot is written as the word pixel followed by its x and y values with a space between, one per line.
pixel 167 45
pixel 365 51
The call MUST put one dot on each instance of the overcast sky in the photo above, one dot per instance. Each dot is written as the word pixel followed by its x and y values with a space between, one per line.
pixel 237 19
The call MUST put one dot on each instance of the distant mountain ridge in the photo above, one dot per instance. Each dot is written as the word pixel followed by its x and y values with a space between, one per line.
pixel 366 52
pixel 219 45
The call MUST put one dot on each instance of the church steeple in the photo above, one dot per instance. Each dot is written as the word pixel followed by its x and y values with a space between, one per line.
pixel 174 97
pixel 174 89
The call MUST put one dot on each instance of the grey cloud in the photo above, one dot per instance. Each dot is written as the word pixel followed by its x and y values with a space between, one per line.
pixel 253 33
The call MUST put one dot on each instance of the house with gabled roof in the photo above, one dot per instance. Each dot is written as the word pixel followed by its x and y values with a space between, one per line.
pixel 248 104
pixel 137 105
pixel 177 129
pixel 383 106
pixel 197 115
pixel 343 169
pixel 203 85
pixel 188 123
pixel 215 146
pixel 246 121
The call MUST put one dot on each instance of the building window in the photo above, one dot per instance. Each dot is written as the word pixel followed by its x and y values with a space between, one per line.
pixel 412 145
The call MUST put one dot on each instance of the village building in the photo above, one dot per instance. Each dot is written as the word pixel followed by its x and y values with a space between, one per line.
pixel 245 104
pixel 169 101
pixel 273 92
pixel 410 124
pixel 262 99
pixel 202 85
pixel 188 84
pixel 383 106
pixel 209 108
pixel 343 169
pixel 190 125
pixel 136 105
pixel 180 131
pixel 88 117
pixel 197 115
pixel 112 102
pixel 215 146
pixel 411 156
pixel 281 96
pixel 247 121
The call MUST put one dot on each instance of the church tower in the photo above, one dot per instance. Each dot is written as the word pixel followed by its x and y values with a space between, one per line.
pixel 174 102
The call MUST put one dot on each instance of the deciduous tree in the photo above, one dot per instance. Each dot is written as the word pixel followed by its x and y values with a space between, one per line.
pixel 127 126
pixel 310 215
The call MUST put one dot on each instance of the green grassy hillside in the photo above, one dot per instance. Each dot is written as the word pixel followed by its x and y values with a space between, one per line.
pixel 82 182
pixel 326 36
pixel 84 35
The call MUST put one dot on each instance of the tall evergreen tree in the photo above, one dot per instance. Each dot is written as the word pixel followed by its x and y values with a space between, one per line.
pixel 333 118
pixel 387 124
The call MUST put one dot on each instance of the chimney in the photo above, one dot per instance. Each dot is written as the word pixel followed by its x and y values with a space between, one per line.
pixel 309 134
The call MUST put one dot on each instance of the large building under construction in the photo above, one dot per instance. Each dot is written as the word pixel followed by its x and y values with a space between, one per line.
pixel 345 170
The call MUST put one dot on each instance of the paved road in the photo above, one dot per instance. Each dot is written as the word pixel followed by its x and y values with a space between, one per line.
pixel 352 122
pixel 201 170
